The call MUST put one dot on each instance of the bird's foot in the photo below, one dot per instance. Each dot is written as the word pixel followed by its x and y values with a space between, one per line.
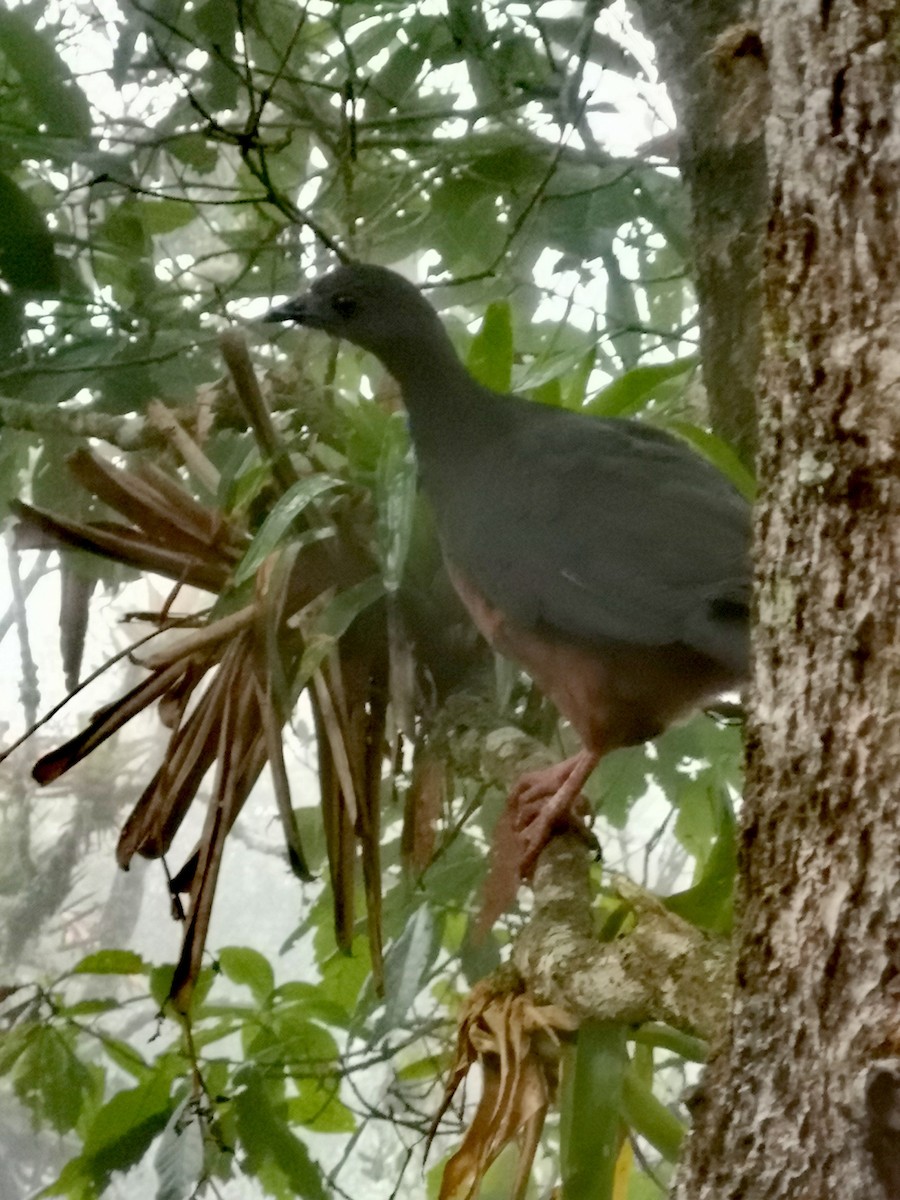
pixel 536 786
pixel 546 802
pixel 541 804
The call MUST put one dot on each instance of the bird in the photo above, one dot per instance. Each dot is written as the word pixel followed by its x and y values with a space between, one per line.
pixel 605 556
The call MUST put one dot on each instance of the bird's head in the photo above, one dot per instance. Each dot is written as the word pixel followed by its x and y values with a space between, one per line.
pixel 371 306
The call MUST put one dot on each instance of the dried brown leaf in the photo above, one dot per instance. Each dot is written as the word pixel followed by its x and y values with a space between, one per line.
pixel 105 723
pixel 516 1043
pixel 422 810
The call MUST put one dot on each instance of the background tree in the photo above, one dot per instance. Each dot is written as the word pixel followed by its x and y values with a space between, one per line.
pixel 168 169
pixel 809 1096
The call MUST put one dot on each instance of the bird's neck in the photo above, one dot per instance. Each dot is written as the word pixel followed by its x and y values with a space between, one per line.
pixel 441 397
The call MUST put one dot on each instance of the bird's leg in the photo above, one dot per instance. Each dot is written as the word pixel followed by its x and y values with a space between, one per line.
pixel 543 800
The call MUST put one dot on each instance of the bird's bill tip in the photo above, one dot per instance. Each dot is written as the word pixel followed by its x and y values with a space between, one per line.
pixel 292 310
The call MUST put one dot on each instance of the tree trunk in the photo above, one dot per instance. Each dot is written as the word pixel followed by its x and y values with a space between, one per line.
pixel 801 1101
pixel 714 70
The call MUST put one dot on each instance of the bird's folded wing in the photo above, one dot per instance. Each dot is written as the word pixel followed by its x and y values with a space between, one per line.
pixel 608 534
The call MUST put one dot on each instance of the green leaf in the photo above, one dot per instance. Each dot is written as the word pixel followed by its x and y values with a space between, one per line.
pixel 591 1111
pixel 664 1037
pixel 111 962
pixel 161 983
pixel 272 1151
pixel 164 216
pixel 490 357
pixel 314 1004
pixel 218 20
pixel 709 903
pixel 248 967
pixel 334 621
pixel 649 1118
pixel 125 232
pixel 194 150
pixel 630 392
pixel 179 1157
pixel 51 1080
pixel 121 1132
pixel 125 1057
pixel 406 967
pixel 14 1043
pixel 296 1039
pixel 393 82
pixel 279 521
pixel 698 819
pixel 577 389
pixel 343 975
pixel 719 453
pixel 27 255
pixel 53 95
pixel 395 497
pixel 318 1106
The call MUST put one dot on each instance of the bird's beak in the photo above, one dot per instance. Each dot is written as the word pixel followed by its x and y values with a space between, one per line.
pixel 296 310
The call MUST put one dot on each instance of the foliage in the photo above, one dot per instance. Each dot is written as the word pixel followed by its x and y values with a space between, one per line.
pixel 169 168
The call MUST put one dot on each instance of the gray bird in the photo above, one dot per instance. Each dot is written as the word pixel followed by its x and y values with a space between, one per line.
pixel 606 557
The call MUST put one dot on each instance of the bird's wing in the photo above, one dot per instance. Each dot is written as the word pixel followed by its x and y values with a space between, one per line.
pixel 603 530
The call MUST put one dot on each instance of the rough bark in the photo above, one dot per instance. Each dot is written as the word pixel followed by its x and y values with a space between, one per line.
pixel 799 1101
pixel 714 69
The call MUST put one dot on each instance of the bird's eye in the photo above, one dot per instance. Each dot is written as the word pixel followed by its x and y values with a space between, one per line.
pixel 344 306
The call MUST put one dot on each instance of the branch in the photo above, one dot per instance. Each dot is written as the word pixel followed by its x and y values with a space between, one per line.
pixel 662 970
pixel 128 433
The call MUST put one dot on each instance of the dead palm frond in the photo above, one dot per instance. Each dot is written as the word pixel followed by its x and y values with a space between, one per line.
pixel 226 688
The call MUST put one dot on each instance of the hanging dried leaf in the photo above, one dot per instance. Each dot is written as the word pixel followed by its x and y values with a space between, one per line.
pixel 516 1042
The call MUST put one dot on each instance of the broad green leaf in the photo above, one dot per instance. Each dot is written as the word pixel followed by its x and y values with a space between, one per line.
pixel 218 20
pixel 629 393
pixel 318 1106
pixel 163 216
pixel 246 966
pixel 395 496
pixel 161 982
pixel 272 1150
pixel 719 453
pixel 279 521
pixel 490 357
pixel 51 1080
pixel 591 1111
pixel 650 1118
pixel 111 962
pixel 121 1132
pixel 334 621
pixel 27 255
pixel 294 1038
pixel 314 1004
pixel 406 967
pixel 195 150
pixel 343 975
pixel 53 95
pixel 709 903
pixel 642 1187
pixel 84 1008
pixel 125 232
pixel 11 326
pixel 14 1043
pixel 392 83
pixel 578 384
pixel 698 819
pixel 179 1156
pixel 550 392
pixel 125 1057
